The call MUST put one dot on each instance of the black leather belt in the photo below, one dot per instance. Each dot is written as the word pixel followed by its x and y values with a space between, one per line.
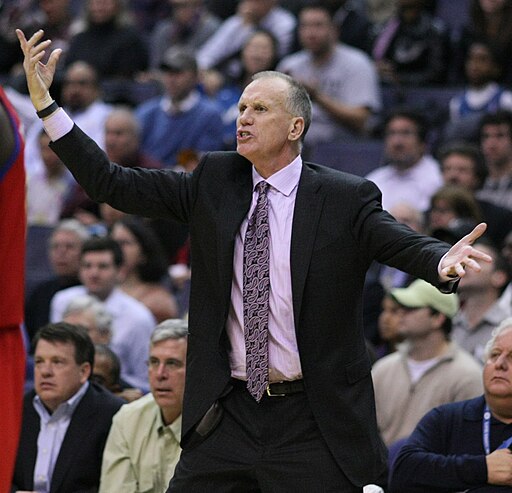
pixel 278 389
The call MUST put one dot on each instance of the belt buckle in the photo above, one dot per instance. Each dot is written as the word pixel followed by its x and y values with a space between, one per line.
pixel 273 394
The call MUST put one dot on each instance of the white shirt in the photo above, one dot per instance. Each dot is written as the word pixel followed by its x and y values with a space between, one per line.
pixel 132 325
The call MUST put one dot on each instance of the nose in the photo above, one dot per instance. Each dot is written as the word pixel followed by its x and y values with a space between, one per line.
pixel 161 371
pixel 501 361
pixel 245 117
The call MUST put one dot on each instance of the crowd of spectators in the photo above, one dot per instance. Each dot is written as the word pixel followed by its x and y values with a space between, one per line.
pixel 156 84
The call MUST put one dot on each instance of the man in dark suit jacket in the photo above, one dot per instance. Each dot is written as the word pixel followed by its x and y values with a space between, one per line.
pixel 316 430
pixel 66 418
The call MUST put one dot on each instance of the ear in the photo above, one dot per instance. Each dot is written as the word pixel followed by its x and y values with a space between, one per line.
pixel 85 371
pixel 499 278
pixel 296 128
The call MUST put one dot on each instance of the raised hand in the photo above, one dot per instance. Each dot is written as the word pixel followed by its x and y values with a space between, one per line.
pixel 39 75
pixel 462 255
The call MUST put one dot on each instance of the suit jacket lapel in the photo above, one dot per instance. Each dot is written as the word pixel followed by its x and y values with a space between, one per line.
pixel 308 206
pixel 75 433
pixel 235 204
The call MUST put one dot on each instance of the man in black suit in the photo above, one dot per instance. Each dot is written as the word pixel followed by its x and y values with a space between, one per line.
pixel 66 418
pixel 314 429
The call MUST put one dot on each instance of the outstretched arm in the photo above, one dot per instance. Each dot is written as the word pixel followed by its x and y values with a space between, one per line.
pixel 39 75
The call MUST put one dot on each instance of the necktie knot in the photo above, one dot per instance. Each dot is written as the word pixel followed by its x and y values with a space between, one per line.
pixel 262 187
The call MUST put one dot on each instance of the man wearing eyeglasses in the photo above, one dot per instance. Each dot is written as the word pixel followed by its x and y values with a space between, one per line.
pixel 143 445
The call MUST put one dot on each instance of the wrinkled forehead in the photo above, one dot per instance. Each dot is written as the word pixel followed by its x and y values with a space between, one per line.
pixel 266 90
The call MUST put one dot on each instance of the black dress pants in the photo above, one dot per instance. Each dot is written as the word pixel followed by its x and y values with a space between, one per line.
pixel 273 446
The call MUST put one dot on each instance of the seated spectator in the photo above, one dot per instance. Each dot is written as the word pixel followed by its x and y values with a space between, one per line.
pixel 100 264
pixel 452 205
pixel 234 31
pixel 412 47
pixel 144 269
pixel 428 369
pixel 341 80
pixel 122 140
pixel 81 97
pixel 259 53
pixel 107 372
pixel 463 446
pixel 107 41
pixel 411 174
pixel 462 164
pixel 48 188
pixel 389 327
pixel 189 25
pixel 64 249
pixel 92 315
pixel 490 21
pixel 152 422
pixel 496 145
pixel 354 27
pixel 55 18
pixel 182 118
pixel 480 309
pixel 483 93
pixel 66 418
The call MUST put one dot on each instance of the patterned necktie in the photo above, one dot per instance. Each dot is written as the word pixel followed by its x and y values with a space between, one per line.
pixel 256 288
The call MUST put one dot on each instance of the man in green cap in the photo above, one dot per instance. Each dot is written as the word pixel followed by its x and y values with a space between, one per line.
pixel 428 369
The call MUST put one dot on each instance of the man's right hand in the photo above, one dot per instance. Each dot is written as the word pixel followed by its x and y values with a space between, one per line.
pixel 499 467
pixel 39 75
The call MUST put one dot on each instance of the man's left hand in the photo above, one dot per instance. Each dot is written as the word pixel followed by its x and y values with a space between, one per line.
pixel 462 255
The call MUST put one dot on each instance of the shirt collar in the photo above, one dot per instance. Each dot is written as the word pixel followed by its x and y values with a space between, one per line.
pixel 285 180
pixel 182 106
pixel 174 427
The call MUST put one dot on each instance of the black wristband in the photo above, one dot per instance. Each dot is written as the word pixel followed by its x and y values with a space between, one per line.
pixel 48 110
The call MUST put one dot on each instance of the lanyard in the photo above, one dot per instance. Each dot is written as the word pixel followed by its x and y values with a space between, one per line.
pixel 486 427
pixel 486 431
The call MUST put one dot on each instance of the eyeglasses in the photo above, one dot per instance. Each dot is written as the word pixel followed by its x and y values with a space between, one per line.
pixel 170 364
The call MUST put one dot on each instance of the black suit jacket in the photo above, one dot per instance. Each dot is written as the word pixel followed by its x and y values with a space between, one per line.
pixel 339 227
pixel 78 465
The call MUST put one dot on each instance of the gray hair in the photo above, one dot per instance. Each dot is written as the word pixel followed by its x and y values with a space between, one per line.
pixel 298 102
pixel 73 226
pixel 91 304
pixel 504 325
pixel 172 328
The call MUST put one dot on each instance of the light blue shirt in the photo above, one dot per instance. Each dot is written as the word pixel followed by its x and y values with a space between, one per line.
pixel 51 435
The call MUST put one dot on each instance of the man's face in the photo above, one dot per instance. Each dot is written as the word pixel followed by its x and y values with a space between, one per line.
pixel 264 125
pixel 316 31
pixel 417 323
pixel 179 84
pixel 79 87
pixel 98 273
pixel 57 376
pixel 498 367
pixel 65 253
pixel 496 144
pixel 167 360
pixel 121 140
pixel 403 147
pixel 459 170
